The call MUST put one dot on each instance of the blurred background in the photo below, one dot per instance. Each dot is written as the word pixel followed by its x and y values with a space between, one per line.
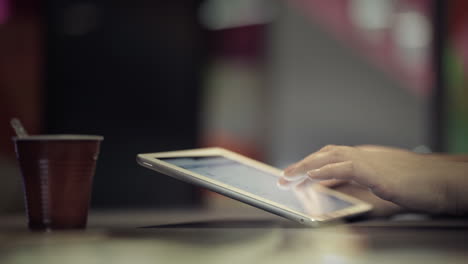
pixel 272 79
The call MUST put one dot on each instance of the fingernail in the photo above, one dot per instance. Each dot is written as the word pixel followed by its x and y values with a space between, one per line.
pixel 283 186
pixel 313 173
pixel 288 185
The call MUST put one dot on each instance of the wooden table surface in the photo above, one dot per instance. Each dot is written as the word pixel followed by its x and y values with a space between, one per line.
pixel 233 236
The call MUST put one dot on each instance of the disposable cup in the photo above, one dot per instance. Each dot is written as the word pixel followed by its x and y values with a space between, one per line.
pixel 57 172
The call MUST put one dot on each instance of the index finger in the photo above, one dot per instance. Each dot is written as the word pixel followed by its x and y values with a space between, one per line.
pixel 328 155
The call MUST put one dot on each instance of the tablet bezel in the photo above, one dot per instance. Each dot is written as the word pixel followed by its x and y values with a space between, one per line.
pixel 153 161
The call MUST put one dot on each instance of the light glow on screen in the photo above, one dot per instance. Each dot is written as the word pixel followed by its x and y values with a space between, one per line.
pixel 306 199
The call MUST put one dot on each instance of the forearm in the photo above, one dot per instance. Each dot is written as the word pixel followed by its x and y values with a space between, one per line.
pixel 452 157
pixel 457 190
pixel 462 199
pixel 459 183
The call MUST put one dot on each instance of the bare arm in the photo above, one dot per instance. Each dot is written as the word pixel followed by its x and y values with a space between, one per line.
pixel 420 182
pixel 452 157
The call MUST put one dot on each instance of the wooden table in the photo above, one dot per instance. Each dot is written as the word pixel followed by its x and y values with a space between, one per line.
pixel 233 236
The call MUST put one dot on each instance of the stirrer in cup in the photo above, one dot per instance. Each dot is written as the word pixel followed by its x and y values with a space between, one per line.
pixel 18 127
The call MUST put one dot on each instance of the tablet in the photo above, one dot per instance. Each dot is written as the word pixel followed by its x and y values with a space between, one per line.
pixel 254 183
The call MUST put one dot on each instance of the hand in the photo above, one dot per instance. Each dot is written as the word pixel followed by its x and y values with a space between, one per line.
pixel 380 207
pixel 416 181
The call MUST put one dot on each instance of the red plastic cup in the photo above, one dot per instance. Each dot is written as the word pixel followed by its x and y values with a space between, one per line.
pixel 57 173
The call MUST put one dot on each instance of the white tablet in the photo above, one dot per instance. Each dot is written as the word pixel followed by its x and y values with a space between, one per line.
pixel 254 183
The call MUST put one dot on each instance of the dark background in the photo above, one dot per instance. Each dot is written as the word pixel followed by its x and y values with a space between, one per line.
pixel 132 74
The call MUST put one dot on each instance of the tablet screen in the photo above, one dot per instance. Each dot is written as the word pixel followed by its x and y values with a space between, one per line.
pixel 309 201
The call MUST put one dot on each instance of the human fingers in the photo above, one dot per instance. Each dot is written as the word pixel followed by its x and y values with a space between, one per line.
pixel 333 183
pixel 291 167
pixel 380 207
pixel 317 160
pixel 345 171
pixel 379 148
pixel 334 171
pixel 286 184
pixel 282 181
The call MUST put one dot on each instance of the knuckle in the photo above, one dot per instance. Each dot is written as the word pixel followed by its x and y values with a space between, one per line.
pixel 336 154
pixel 328 147
pixel 350 169
pixel 328 167
pixel 345 149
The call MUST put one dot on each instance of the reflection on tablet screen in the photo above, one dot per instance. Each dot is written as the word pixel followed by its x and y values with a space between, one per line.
pixel 306 200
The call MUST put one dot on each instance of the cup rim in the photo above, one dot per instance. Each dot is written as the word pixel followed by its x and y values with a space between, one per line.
pixel 57 137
